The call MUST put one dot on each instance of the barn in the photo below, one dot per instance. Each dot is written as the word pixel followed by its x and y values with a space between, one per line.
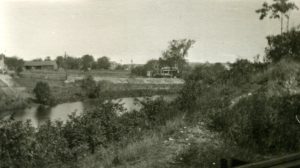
pixel 40 65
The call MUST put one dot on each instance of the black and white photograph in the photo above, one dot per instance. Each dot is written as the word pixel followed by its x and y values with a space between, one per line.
pixel 149 83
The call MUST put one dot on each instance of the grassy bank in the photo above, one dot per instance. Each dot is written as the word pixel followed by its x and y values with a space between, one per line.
pixel 68 92
pixel 8 104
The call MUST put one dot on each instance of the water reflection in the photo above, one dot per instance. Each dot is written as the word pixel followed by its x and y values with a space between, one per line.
pixel 42 114
pixel 39 114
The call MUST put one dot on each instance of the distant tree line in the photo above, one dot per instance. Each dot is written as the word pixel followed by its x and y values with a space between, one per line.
pixel 86 62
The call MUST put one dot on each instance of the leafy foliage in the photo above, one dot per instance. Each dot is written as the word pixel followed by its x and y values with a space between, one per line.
pixel 284 46
pixel 238 103
pixel 57 144
pixel 43 93
pixel 266 124
pixel 103 63
pixel 176 53
pixel 199 82
pixel 14 63
pixel 279 9
pixel 17 146
pixel 87 62
pixel 157 111
pixel 52 145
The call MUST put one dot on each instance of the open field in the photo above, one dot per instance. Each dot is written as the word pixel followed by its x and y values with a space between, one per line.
pixel 101 73
pixel 65 74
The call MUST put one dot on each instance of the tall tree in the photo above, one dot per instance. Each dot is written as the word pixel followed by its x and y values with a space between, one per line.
pixel 14 63
pixel 176 53
pixel 87 62
pixel 103 63
pixel 278 10
pixel 72 63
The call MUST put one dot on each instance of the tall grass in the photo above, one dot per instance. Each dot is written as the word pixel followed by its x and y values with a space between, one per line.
pixel 148 151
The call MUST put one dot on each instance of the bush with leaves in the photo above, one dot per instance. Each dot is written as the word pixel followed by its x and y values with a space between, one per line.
pixel 92 129
pixel 132 125
pixel 14 63
pixel 201 79
pixel 42 93
pixel 285 45
pixel 18 147
pixel 265 124
pixel 58 144
pixel 52 146
pixel 156 111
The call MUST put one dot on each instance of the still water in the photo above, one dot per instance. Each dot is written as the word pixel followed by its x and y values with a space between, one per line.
pixel 39 114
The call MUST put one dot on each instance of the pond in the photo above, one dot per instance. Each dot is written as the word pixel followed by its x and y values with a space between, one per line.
pixel 39 114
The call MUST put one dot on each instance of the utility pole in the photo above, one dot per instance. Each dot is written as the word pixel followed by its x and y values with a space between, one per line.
pixel 65 57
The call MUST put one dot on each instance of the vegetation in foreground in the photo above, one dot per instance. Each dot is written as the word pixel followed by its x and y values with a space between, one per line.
pixel 247 111
pixel 236 112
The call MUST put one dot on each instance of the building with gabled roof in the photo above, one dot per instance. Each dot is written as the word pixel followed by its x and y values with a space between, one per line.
pixel 40 65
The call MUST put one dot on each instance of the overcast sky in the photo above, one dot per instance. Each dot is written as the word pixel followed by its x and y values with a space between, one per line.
pixel 134 29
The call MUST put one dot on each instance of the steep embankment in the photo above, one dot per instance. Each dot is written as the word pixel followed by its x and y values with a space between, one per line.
pixel 279 79
pixel 12 96
pixel 10 88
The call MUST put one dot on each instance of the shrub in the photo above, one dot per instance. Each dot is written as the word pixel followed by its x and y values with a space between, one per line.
pixel 18 146
pixel 265 124
pixel 43 93
pixel 94 128
pixel 132 124
pixel 197 83
pixel 157 111
pixel 285 45
pixel 52 146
